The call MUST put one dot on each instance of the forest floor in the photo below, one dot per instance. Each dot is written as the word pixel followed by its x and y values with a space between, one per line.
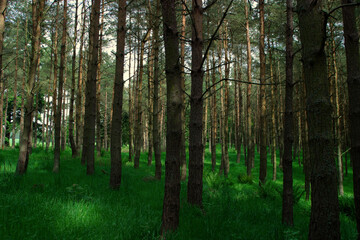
pixel 72 205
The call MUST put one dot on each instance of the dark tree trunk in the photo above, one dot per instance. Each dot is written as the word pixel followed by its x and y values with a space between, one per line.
pixel 90 101
pixel 287 204
pixel 37 11
pixel 15 84
pixel 116 123
pixel 324 219
pixel 353 79
pixel 171 204
pixel 196 148
pixel 2 85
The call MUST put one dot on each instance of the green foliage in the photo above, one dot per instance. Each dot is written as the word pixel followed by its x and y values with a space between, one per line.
pixel 72 205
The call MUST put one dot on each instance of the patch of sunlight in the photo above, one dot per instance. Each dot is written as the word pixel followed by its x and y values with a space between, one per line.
pixel 78 215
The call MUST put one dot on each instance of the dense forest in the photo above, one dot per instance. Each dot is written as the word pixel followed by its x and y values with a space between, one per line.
pixel 179 119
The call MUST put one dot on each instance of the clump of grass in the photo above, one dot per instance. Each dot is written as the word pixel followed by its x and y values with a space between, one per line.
pixel 347 206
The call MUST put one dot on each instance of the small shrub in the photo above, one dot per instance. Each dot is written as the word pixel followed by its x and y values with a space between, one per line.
pixel 78 192
pixel 245 179
pixel 347 206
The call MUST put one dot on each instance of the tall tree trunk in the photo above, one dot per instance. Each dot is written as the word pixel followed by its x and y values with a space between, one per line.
pixel 171 203
pixel 55 90
pixel 287 204
pixel 79 102
pixel 150 93
pixel 56 167
pixel 98 84
pixel 139 114
pixel 324 219
pixel 71 114
pixel 337 125
pixel 22 117
pixel 156 122
pixel 250 152
pixel 182 68
pixel 262 103
pixel 90 101
pixel 273 116
pixel 131 107
pixel 37 16
pixel 196 148
pixel 116 123
pixel 353 79
pixel 213 116
pixel 15 85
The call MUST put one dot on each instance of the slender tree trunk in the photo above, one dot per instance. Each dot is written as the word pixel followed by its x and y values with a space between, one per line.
pixel 37 16
pixel 150 94
pixel 171 204
pixel 248 98
pixel 353 74
pixel 55 90
pixel 273 112
pixel 262 103
pixel 213 117
pixel 182 66
pixel 71 114
pixel 116 123
pixel 90 102
pixel 139 114
pixel 324 219
pixel 156 129
pixel 79 102
pixel 98 84
pixel 56 167
pixel 287 204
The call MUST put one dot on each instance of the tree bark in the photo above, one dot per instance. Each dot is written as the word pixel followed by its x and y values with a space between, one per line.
pixel 353 80
pixel 213 117
pixel 116 123
pixel 287 204
pixel 37 16
pixel 324 220
pixel 90 101
pixel 171 204
pixel 196 148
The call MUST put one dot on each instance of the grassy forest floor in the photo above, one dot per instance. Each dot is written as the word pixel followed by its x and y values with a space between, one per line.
pixel 71 205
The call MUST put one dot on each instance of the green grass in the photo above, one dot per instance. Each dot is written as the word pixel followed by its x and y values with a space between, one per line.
pixel 71 205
